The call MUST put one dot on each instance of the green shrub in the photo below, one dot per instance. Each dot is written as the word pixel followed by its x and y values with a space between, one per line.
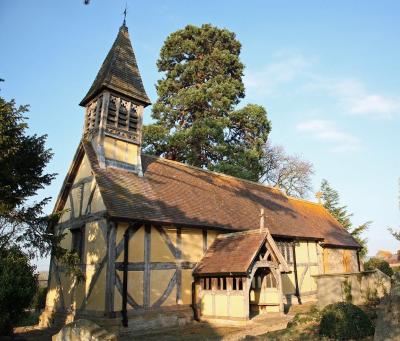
pixel 377 263
pixel 18 284
pixel 346 290
pixel 345 321
pixel 371 297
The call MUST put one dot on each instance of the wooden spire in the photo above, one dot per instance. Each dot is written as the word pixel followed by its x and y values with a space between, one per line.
pixel 119 72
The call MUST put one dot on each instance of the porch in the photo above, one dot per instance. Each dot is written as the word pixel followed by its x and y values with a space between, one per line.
pixel 239 278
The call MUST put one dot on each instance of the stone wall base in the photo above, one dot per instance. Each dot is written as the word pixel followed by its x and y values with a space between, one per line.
pixel 138 321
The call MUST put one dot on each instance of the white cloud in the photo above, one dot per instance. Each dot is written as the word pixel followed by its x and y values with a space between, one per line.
pixel 327 131
pixel 356 100
pixel 289 72
pixel 283 70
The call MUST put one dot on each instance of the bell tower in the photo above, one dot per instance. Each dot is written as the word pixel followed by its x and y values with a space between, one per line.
pixel 114 108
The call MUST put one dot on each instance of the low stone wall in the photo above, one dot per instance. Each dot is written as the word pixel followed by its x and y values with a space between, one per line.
pixel 357 287
pixel 388 321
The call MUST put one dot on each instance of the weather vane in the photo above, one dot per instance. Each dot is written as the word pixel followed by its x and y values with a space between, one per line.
pixel 125 11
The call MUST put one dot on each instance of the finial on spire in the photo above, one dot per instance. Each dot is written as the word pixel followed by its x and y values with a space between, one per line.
pixel 125 12
pixel 319 195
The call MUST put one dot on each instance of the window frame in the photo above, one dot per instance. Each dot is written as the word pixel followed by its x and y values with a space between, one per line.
pixel 77 241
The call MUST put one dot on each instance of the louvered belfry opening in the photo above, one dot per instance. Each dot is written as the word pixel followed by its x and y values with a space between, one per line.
pixel 93 116
pixel 122 114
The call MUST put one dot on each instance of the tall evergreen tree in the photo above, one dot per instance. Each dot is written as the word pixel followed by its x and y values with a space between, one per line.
pixel 331 201
pixel 23 159
pixel 194 115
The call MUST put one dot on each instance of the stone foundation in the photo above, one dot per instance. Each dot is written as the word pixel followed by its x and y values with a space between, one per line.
pixel 138 321
pixel 83 330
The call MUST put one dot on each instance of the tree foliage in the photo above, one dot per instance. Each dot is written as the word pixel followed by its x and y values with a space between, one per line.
pixel 196 120
pixel 377 263
pixel 202 83
pixel 23 159
pixel 18 285
pixel 331 201
pixel 395 234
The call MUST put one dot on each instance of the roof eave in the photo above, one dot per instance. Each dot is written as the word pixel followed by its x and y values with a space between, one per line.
pixel 341 246
pixel 220 274
pixel 143 99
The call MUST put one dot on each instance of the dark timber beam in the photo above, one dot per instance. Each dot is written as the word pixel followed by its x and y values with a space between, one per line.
pixel 147 270
pixel 205 246
pixel 110 274
pixel 140 266
pixel 179 266
pixel 358 260
pixel 296 280
pixel 125 280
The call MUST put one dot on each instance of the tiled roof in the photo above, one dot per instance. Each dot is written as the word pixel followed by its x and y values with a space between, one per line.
pixel 119 72
pixel 174 193
pixel 231 253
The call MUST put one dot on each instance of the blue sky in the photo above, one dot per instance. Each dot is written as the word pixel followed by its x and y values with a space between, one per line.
pixel 327 73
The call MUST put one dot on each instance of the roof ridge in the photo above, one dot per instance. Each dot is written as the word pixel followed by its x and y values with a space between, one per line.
pixel 232 234
pixel 280 191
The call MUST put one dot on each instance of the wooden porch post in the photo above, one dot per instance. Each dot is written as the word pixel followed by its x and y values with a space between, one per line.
pixel 296 280
pixel 110 275
pixel 125 280
pixel 280 289
pixel 246 284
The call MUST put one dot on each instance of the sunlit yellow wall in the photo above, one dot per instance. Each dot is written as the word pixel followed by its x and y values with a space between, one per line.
pixel 159 280
pixel 72 291
pixel 97 204
pixel 236 306
pixel 159 250
pixel 337 260
pixel 136 244
pixel 95 252
pixel 120 150
pixel 53 298
pixel 187 280
pixel 84 170
pixel 67 212
pixel 307 265
pixel 211 235
pixel 222 305
pixel 192 245
pixel 94 249
pixel 191 251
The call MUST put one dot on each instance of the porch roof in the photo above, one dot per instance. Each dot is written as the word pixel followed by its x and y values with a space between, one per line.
pixel 231 254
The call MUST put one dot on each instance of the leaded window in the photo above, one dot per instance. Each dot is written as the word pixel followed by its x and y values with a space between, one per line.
pixel 286 250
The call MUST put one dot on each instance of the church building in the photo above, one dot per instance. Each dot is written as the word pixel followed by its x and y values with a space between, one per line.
pixel 161 242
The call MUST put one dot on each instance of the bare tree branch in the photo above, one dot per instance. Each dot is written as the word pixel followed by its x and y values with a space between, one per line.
pixel 288 172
